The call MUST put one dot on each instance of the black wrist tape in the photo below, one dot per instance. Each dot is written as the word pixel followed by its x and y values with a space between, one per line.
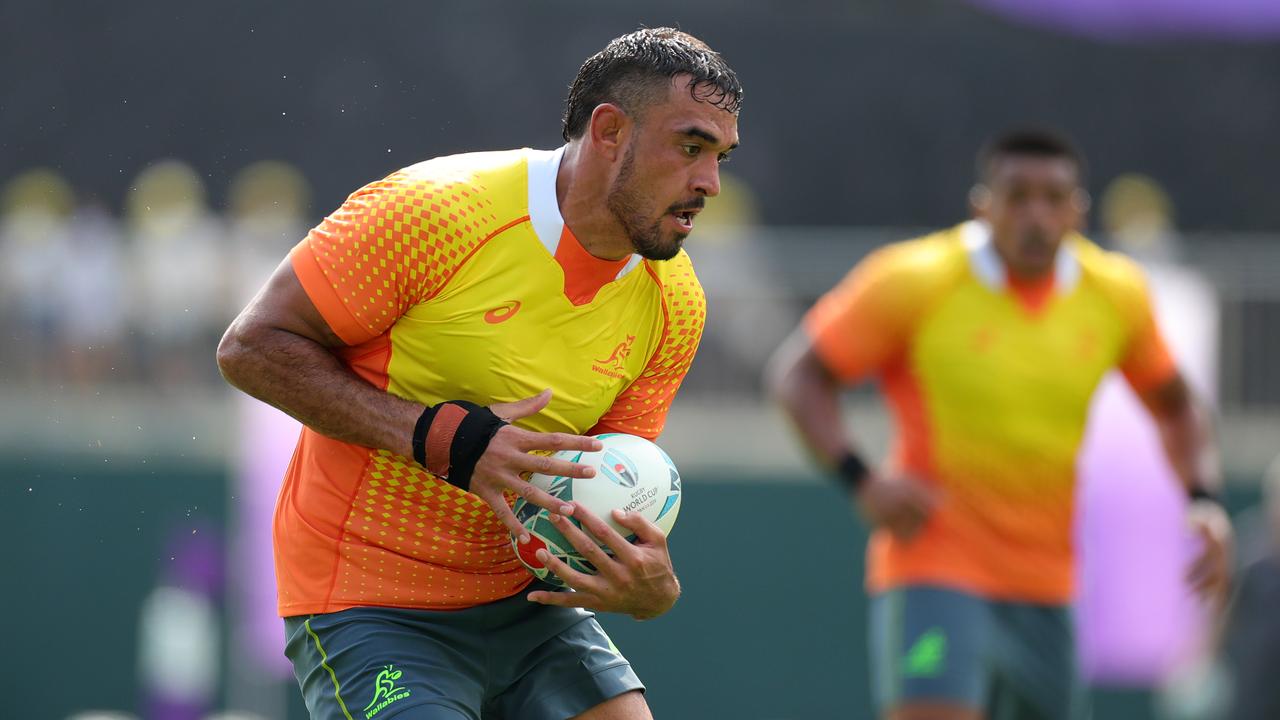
pixel 1199 493
pixel 470 442
pixel 851 471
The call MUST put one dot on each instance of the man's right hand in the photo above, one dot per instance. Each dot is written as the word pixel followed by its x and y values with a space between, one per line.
pixel 507 459
pixel 898 503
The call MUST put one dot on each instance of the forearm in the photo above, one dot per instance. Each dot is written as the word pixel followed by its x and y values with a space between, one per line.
pixel 304 379
pixel 1186 431
pixel 1192 448
pixel 810 397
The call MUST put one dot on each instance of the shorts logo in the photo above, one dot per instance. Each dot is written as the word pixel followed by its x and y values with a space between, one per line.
pixel 385 691
pixel 503 312
pixel 616 362
pixel 927 658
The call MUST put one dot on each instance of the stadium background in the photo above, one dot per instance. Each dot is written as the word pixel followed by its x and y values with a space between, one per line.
pixel 136 214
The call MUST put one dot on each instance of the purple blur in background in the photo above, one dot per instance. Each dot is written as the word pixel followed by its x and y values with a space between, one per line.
pixel 1146 19
pixel 1137 619
pixel 267 441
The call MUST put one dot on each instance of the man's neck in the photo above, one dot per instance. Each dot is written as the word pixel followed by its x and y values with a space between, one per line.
pixel 582 191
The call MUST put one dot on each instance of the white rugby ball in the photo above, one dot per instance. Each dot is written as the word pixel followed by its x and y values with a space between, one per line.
pixel 632 474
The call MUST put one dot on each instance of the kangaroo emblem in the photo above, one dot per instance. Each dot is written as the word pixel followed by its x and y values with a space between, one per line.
pixel 385 691
pixel 620 353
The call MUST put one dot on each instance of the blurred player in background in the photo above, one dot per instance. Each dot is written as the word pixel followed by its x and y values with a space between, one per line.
pixel 988 340
pixel 414 331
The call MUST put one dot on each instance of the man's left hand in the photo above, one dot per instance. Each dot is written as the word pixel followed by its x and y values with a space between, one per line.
pixel 637 579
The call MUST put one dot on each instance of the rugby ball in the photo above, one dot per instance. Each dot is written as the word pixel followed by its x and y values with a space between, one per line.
pixel 632 474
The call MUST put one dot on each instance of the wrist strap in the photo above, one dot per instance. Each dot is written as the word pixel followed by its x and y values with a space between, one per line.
pixel 469 443
pixel 420 434
pixel 851 471
pixel 1198 493
pixel 449 438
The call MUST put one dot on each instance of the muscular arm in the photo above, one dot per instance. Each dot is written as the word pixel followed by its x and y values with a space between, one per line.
pixel 1189 443
pixel 280 351
pixel 1186 432
pixel 810 396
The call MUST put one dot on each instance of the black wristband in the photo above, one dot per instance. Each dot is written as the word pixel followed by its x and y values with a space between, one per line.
pixel 851 471
pixel 420 429
pixel 470 441
pixel 1199 493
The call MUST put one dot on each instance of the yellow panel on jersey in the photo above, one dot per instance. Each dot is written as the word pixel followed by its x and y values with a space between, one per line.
pixel 456 279
pixel 990 395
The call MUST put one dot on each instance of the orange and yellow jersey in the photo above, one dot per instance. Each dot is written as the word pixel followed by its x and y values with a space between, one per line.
pixel 457 279
pixel 989 385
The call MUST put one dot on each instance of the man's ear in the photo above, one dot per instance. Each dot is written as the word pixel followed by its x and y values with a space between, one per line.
pixel 609 130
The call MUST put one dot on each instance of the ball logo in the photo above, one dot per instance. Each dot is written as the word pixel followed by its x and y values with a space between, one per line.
pixel 618 468
pixel 673 495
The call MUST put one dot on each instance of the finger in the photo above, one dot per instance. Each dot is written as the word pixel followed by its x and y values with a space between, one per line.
pixel 1212 586
pixel 1205 531
pixel 1207 566
pixel 603 533
pixel 584 544
pixel 574 579
pixel 504 513
pixel 647 532
pixel 522 408
pixel 565 599
pixel 536 495
pixel 924 495
pixel 556 441
pixel 1204 561
pixel 907 523
pixel 547 465
pixel 905 530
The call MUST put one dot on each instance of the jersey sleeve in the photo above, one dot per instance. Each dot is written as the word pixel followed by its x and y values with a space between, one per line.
pixel 390 246
pixel 1146 362
pixel 641 409
pixel 865 322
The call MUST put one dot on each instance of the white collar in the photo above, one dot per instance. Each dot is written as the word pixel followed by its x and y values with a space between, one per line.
pixel 544 208
pixel 989 268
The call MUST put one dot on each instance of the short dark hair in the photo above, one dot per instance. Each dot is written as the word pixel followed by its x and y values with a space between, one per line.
pixel 630 68
pixel 1028 142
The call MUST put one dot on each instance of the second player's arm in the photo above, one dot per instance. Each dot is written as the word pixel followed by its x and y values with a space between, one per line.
pixel 1186 431
pixel 809 394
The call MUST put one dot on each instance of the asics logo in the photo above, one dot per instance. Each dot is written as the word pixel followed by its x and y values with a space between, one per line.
pixel 503 312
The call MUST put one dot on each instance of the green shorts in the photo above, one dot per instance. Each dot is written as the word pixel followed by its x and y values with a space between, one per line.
pixel 508 660
pixel 1010 660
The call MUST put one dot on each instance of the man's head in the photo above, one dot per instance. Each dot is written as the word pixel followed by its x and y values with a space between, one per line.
pixel 660 108
pixel 1030 190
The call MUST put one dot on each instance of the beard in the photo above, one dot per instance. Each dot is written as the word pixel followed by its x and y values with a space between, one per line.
pixel 626 203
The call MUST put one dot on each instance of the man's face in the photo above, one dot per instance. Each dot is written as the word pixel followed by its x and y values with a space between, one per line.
pixel 670 166
pixel 1031 203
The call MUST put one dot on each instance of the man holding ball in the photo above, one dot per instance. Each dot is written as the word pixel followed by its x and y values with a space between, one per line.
pixel 416 331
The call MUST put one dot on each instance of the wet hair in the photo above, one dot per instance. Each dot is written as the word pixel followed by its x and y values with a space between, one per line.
pixel 1028 142
pixel 634 70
